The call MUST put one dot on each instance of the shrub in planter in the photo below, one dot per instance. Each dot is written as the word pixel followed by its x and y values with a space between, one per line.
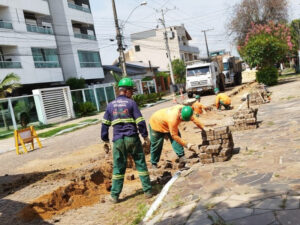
pixel 267 75
pixel 86 108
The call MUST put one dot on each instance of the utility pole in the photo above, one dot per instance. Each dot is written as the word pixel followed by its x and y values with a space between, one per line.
pixel 204 31
pixel 168 50
pixel 119 38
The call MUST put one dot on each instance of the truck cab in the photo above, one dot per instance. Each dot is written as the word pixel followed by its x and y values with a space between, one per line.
pixel 228 70
pixel 203 76
pixel 232 69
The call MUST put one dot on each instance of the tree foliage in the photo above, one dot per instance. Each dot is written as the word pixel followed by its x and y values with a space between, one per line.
pixel 179 70
pixel 258 12
pixel 266 45
pixel 116 77
pixel 9 83
pixel 76 83
pixel 295 33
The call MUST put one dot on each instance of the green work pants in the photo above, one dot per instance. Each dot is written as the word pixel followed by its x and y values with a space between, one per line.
pixel 227 107
pixel 157 141
pixel 122 147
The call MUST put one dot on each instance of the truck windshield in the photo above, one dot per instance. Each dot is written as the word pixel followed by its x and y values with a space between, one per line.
pixel 198 71
pixel 226 66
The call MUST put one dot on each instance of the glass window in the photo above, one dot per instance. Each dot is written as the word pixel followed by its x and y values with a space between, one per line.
pixel 45 58
pixel 89 59
pixel 198 71
pixel 226 66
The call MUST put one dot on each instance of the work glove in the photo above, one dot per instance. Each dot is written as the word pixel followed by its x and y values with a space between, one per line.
pixel 146 141
pixel 190 146
pixel 106 146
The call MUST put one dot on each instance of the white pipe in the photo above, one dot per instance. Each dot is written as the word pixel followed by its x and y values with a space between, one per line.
pixel 161 196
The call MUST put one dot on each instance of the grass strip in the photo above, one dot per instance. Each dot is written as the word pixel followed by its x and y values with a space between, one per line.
pixel 55 131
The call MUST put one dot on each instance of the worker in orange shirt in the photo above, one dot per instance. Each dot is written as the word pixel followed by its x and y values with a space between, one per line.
pixel 198 107
pixel 222 100
pixel 164 123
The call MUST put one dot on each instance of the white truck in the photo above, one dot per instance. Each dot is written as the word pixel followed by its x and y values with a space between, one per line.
pixel 232 69
pixel 203 76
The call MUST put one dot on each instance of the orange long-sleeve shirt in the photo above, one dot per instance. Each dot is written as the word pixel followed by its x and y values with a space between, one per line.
pixel 198 107
pixel 224 98
pixel 167 120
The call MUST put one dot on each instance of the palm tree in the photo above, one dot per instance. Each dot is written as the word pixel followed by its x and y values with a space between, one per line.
pixel 7 85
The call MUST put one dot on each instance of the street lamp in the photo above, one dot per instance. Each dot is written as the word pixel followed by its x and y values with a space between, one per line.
pixel 142 4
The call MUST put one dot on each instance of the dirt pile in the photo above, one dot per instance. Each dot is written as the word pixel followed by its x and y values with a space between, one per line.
pixel 245 119
pixel 217 145
pixel 82 191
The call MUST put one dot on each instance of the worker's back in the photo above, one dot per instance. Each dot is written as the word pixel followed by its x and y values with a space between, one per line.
pixel 224 98
pixel 162 119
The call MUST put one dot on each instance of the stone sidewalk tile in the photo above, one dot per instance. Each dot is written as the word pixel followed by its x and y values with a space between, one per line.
pixel 289 217
pixel 292 203
pixel 202 217
pixel 270 203
pixel 262 219
pixel 178 215
pixel 234 213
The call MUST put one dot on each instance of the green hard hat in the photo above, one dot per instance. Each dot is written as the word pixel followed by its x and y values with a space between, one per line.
pixel 186 113
pixel 126 82
pixel 216 90
pixel 197 96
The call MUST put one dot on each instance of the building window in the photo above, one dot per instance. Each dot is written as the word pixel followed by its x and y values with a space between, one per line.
pixel 137 48
pixel 45 58
pixel 89 59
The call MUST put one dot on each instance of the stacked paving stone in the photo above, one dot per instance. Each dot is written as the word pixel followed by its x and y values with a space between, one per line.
pixel 259 96
pixel 245 119
pixel 217 145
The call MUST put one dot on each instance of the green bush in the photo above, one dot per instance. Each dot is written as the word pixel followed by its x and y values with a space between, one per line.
pixel 85 109
pixel 143 99
pixel 76 83
pixel 267 75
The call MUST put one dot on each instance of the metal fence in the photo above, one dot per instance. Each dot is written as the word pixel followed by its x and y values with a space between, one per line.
pixel 98 95
pixel 14 110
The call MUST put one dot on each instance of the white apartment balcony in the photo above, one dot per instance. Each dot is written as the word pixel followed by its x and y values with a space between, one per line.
pixel 5 18
pixel 84 31
pixel 83 6
pixel 38 23
pixel 9 58
pixel 6 25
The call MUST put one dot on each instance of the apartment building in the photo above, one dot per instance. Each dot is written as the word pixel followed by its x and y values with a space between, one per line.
pixel 149 46
pixel 47 42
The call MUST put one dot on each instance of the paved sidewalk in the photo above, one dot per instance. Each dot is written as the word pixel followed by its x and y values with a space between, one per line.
pixel 259 186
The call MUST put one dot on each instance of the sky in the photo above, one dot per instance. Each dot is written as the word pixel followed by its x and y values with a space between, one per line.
pixel 196 15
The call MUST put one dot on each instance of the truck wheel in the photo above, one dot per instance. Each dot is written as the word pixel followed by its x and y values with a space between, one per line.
pixel 190 94
pixel 238 79
pixel 222 82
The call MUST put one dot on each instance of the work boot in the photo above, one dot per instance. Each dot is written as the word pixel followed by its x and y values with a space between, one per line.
pixel 154 166
pixel 114 200
pixel 182 159
pixel 148 194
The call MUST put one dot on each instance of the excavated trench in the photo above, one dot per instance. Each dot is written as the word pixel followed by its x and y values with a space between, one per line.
pixel 82 191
